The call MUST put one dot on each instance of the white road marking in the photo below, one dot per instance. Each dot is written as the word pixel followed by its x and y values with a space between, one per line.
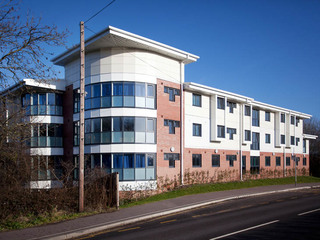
pixel 304 213
pixel 246 229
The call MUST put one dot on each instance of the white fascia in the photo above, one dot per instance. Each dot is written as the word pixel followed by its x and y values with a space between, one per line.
pixel 58 84
pixel 154 44
pixel 242 99
pixel 280 109
pixel 309 136
pixel 214 91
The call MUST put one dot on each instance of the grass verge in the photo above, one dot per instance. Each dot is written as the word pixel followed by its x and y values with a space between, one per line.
pixel 205 188
pixel 20 222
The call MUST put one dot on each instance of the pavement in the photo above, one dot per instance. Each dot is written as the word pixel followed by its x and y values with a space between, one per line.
pixel 86 225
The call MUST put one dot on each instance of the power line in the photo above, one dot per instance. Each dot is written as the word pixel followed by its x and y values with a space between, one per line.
pixel 100 11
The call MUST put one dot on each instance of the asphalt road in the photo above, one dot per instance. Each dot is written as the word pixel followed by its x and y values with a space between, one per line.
pixel 290 215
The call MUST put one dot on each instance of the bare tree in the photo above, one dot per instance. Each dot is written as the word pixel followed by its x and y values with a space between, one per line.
pixel 23 45
pixel 312 126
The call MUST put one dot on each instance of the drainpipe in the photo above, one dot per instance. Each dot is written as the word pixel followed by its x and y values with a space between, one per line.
pixel 181 120
pixel 240 139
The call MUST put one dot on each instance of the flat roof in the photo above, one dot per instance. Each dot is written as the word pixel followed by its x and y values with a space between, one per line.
pixel 115 37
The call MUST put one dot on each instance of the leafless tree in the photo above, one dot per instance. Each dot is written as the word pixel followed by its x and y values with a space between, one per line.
pixel 24 44
pixel 312 126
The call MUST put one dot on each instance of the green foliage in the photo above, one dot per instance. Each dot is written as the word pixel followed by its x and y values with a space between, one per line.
pixel 215 187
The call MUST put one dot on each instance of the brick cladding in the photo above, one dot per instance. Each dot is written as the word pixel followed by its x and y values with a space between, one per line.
pixel 68 124
pixel 167 110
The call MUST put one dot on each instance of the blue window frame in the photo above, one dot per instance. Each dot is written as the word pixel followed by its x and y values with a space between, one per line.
pixel 255 118
pixel 196 129
pixel 220 103
pixel 221 131
pixel 255 141
pixel 196 100
pixel 267 161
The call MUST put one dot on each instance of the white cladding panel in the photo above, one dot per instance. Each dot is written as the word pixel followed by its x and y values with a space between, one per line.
pixel 208 117
pixel 124 61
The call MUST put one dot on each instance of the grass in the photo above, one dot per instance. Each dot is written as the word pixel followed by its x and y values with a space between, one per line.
pixel 20 222
pixel 31 220
pixel 205 188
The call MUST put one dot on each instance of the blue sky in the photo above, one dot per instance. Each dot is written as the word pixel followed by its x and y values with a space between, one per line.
pixel 268 50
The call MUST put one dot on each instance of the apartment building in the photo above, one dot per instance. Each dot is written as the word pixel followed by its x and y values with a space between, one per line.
pixel 143 121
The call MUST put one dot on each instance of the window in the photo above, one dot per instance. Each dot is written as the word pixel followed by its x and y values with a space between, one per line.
pixel 254 165
pixel 172 125
pixel 215 160
pixel 292 140
pixel 292 120
pixel 278 161
pixel 304 145
pixel 283 118
pixel 255 141
pixel 46 135
pixel 116 94
pixel 244 160
pixel 196 129
pixel 288 161
pixel 283 139
pixel 297 160
pixel 267 116
pixel 247 110
pixel 117 130
pixel 138 166
pixel 172 93
pixel 247 135
pixel 42 104
pixel 255 117
pixel 171 157
pixel 220 103
pixel 221 131
pixel 231 132
pixel 304 161
pixel 268 138
pixel 297 122
pixel 267 161
pixel 196 100
pixel 231 106
pixel 297 141
pixel 196 160
pixel 231 159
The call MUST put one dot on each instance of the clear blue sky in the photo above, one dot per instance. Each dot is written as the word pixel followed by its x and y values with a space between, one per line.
pixel 268 50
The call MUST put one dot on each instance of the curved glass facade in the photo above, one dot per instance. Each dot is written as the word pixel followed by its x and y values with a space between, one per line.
pixel 46 167
pixel 117 94
pixel 46 135
pixel 117 130
pixel 42 103
pixel 130 166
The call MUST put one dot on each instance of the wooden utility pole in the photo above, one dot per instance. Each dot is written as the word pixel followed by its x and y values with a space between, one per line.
pixel 81 142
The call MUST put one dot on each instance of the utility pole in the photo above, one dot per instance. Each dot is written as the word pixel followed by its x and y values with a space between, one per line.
pixel 81 142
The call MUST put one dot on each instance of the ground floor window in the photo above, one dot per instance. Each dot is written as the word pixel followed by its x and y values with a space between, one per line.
pixel 130 166
pixel 46 168
pixel 244 159
pixel 231 159
pixel 171 157
pixel 196 160
pixel 215 160
pixel 287 161
pixel 304 161
pixel 267 161
pixel 255 165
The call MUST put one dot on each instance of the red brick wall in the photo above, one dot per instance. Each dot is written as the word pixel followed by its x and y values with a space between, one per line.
pixel 212 173
pixel 167 110
pixel 68 123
